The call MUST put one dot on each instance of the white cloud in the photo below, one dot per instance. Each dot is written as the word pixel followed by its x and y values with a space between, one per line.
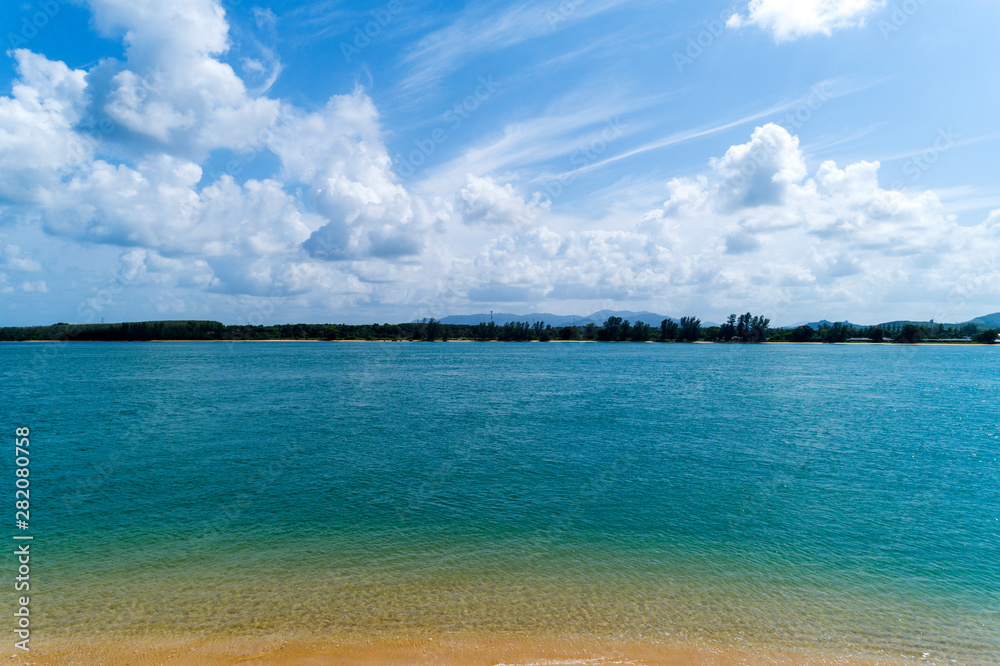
pixel 34 287
pixel 172 88
pixel 37 139
pixel 788 20
pixel 474 31
pixel 265 18
pixel 335 227
pixel 139 182
pixel 758 229
pixel 338 153
pixel 483 201
pixel 255 227
pixel 765 228
pixel 761 171
pixel 12 259
pixel 189 29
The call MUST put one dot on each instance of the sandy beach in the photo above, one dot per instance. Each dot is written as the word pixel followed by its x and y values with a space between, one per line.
pixel 448 651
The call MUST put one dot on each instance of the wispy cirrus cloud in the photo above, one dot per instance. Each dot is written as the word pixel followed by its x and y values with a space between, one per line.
pixel 477 30
pixel 526 146
pixel 820 94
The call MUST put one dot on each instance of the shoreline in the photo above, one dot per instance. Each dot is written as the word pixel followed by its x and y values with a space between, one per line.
pixel 646 342
pixel 447 650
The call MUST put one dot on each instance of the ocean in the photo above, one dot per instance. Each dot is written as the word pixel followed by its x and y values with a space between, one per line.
pixel 837 498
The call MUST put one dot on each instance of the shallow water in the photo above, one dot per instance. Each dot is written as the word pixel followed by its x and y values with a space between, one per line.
pixel 843 497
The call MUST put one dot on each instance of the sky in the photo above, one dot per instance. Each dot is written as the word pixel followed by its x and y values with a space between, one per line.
pixel 341 161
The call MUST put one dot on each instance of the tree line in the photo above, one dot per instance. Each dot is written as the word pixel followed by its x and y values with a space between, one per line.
pixel 746 328
pixel 907 333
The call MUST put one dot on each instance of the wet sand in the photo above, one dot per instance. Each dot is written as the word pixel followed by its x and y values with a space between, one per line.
pixel 446 651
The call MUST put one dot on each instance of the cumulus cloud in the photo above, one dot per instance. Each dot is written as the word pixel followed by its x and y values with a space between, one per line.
pixel 158 205
pixel 37 136
pixel 761 171
pixel 765 224
pixel 338 153
pixel 172 89
pixel 536 263
pixel 117 155
pixel 114 156
pixel 788 20
pixel 758 227
pixel 13 259
pixel 483 201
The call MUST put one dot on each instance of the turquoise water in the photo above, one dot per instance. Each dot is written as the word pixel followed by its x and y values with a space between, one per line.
pixel 834 497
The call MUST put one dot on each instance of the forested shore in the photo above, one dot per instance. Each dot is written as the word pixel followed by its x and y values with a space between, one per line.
pixel 746 328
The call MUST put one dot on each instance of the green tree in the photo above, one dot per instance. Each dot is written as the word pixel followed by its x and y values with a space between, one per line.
pixel 837 333
pixel 625 334
pixel 968 330
pixel 758 329
pixel 641 332
pixel 728 330
pixel 911 334
pixel 743 327
pixel 541 332
pixel 433 330
pixel 516 331
pixel 803 334
pixel 690 329
pixel 668 330
pixel 986 337
pixel 611 331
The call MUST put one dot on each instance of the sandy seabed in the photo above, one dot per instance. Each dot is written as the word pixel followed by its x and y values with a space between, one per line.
pixel 448 651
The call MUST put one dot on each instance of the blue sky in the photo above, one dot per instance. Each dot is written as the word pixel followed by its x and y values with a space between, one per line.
pixel 358 162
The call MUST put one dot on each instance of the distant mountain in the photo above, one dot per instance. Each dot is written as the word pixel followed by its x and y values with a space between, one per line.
pixel 990 320
pixel 503 317
pixel 645 317
pixel 983 323
pixel 899 323
pixel 825 323
pixel 597 318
